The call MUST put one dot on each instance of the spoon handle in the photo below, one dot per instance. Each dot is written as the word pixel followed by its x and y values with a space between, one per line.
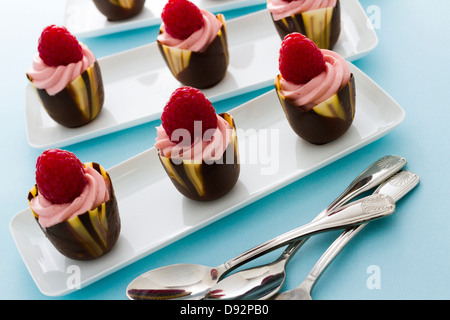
pixel 360 211
pixel 372 176
pixel 396 187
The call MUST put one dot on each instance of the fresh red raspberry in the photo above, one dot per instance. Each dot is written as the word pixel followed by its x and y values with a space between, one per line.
pixel 185 106
pixel 59 176
pixel 58 47
pixel 300 59
pixel 181 18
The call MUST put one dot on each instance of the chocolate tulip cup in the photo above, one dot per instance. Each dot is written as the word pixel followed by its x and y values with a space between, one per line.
pixel 89 235
pixel 115 10
pixel 200 70
pixel 206 180
pixel 79 102
pixel 326 121
pixel 323 26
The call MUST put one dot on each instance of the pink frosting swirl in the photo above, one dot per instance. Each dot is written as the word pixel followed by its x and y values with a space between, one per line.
pixel 200 39
pixel 331 80
pixel 95 193
pixel 210 147
pixel 281 9
pixel 55 79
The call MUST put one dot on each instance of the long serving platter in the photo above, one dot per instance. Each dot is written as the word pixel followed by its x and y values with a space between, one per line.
pixel 138 83
pixel 83 19
pixel 141 178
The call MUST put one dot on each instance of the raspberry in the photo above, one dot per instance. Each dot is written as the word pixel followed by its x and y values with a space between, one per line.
pixel 185 106
pixel 58 47
pixel 300 59
pixel 181 18
pixel 59 176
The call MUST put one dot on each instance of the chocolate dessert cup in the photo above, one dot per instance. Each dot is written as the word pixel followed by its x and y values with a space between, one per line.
pixel 323 26
pixel 88 235
pixel 204 181
pixel 199 69
pixel 325 122
pixel 79 102
pixel 115 10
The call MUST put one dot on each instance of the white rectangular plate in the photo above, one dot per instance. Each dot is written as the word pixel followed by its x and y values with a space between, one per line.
pixel 83 19
pixel 138 83
pixel 171 216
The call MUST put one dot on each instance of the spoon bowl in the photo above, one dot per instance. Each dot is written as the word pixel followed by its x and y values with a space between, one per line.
pixel 254 283
pixel 178 281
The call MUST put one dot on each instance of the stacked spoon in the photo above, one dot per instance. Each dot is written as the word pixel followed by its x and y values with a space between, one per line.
pixel 192 281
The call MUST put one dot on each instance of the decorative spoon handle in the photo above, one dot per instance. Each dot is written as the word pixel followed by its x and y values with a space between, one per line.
pixel 396 187
pixel 374 175
pixel 360 211
pixel 371 177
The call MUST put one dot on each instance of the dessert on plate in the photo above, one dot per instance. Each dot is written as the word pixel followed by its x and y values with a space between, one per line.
pixel 193 43
pixel 115 10
pixel 319 20
pixel 74 205
pixel 197 147
pixel 316 90
pixel 67 78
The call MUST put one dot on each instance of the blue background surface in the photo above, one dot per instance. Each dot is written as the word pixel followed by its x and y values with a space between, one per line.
pixel 410 248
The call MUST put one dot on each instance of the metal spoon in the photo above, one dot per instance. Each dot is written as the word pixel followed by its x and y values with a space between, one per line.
pixel 264 281
pixel 396 187
pixel 191 281
pixel 156 285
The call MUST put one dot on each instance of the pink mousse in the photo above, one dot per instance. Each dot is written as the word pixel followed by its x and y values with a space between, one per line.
pixel 199 40
pixel 95 193
pixel 281 9
pixel 209 147
pixel 323 86
pixel 55 79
